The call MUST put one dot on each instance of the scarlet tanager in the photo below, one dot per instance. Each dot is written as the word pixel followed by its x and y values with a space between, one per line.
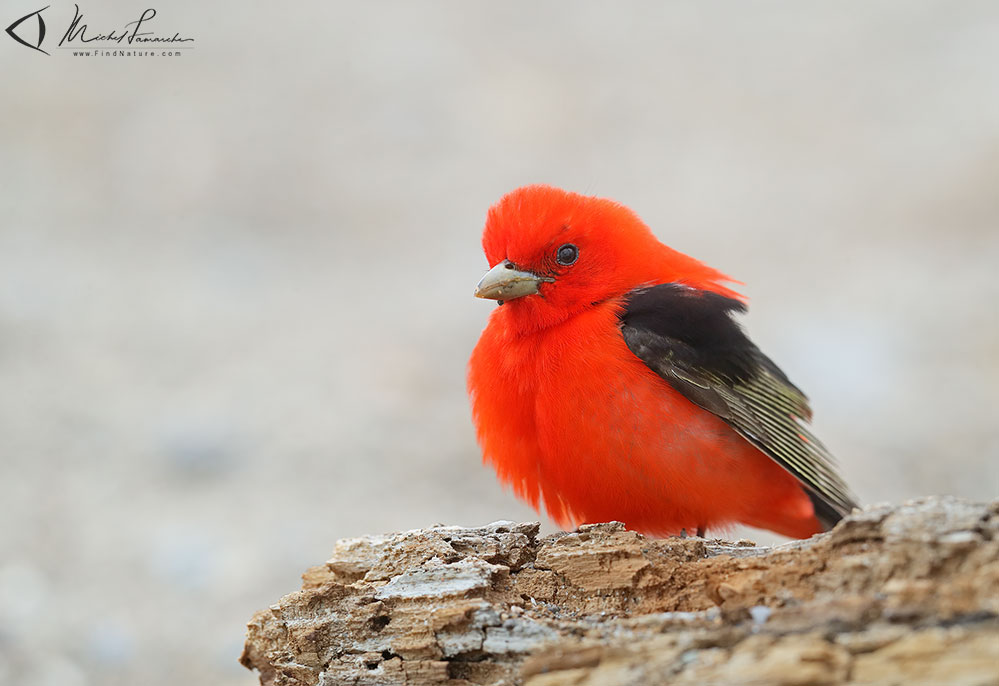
pixel 613 383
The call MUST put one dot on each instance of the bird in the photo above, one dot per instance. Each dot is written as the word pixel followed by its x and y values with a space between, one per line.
pixel 613 383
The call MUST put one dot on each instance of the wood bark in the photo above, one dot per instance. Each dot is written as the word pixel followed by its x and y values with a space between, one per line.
pixel 905 594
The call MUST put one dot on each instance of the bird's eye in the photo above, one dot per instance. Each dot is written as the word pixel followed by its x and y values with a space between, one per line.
pixel 567 254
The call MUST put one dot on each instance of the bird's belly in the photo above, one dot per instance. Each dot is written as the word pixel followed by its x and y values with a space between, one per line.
pixel 596 435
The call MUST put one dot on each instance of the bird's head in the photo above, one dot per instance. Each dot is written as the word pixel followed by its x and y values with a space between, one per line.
pixel 553 254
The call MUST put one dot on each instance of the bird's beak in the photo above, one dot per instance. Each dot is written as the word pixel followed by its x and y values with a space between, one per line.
pixel 506 282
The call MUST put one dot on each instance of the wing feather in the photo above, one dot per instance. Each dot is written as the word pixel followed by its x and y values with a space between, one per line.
pixel 688 337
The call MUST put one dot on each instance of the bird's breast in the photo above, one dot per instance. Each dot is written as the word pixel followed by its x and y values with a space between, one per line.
pixel 568 403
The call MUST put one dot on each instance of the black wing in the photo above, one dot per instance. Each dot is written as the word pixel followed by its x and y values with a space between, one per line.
pixel 688 337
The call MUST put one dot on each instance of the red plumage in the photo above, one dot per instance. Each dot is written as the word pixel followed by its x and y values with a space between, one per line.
pixel 570 417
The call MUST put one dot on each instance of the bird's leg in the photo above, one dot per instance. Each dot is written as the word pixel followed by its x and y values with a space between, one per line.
pixel 700 532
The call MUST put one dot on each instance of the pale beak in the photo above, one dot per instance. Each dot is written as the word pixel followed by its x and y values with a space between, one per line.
pixel 506 282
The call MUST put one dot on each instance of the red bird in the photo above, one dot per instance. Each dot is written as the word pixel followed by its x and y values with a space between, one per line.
pixel 613 383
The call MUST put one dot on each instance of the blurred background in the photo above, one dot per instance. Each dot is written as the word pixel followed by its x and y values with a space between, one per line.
pixel 235 286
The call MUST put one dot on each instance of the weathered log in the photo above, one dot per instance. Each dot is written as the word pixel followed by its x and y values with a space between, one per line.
pixel 904 594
